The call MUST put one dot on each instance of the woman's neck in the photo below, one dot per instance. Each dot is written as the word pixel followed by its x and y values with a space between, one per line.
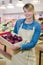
pixel 29 20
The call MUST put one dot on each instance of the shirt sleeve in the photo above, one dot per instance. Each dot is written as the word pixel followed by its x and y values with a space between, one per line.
pixel 34 40
pixel 17 25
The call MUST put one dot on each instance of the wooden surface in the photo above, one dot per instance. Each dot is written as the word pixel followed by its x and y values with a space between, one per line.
pixel 2 63
pixel 38 48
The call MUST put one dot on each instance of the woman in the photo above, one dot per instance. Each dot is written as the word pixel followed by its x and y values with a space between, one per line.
pixel 30 30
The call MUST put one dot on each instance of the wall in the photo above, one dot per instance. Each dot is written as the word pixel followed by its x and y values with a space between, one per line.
pixel 38 7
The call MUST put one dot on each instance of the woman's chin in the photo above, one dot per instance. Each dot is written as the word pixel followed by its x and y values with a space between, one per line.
pixel 28 17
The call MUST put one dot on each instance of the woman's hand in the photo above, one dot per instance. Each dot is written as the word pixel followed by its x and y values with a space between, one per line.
pixel 15 47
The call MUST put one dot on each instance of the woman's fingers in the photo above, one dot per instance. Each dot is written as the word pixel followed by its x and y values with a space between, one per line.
pixel 13 47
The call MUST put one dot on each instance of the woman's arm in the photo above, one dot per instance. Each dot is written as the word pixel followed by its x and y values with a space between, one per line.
pixel 34 40
pixel 17 25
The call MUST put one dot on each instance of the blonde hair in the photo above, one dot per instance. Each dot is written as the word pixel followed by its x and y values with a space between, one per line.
pixel 30 7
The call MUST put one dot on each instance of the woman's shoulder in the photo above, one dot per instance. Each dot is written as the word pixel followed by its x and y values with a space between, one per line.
pixel 37 24
pixel 20 20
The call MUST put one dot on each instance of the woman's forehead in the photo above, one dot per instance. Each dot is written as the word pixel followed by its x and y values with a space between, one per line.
pixel 30 8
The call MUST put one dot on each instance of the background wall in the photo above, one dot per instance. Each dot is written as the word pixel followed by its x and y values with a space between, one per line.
pixel 5 13
pixel 38 6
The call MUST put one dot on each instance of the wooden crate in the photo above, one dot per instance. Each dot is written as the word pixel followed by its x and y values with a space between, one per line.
pixel 2 63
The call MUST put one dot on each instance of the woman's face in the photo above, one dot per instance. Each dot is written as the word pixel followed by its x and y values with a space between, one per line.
pixel 28 14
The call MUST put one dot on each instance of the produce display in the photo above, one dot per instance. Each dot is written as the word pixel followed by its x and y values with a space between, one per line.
pixel 12 39
pixel 42 26
pixel 41 37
